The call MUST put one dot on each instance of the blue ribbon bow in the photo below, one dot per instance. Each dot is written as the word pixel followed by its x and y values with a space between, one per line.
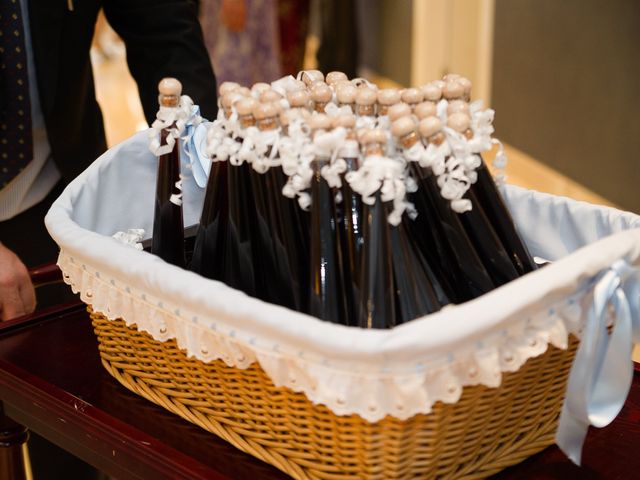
pixel 602 370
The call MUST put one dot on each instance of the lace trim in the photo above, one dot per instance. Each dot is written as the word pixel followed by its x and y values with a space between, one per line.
pixel 372 390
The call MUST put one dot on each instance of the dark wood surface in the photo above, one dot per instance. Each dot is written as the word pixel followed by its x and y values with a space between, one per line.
pixel 52 381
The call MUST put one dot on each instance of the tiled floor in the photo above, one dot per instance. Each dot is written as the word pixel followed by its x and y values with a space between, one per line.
pixel 118 97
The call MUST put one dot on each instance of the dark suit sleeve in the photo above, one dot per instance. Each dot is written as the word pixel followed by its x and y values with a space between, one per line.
pixel 164 39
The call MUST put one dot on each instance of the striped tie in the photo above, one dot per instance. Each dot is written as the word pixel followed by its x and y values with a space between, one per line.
pixel 16 142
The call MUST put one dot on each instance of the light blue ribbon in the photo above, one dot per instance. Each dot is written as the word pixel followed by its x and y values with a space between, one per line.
pixel 602 370
pixel 193 140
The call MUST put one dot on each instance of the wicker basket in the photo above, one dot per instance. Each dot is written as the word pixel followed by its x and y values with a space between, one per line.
pixel 487 430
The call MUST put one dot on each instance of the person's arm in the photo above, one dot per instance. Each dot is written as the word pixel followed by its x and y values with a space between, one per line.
pixel 17 296
pixel 164 39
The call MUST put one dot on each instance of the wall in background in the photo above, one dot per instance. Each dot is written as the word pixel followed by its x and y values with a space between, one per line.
pixel 565 89
pixel 394 27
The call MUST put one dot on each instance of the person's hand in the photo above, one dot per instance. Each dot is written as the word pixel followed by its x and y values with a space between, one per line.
pixel 233 14
pixel 17 296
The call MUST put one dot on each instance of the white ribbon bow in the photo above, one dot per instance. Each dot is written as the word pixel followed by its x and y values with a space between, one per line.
pixel 602 371
pixel 385 175
pixel 176 120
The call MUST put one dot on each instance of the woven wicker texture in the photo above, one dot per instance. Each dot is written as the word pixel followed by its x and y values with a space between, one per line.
pixel 487 430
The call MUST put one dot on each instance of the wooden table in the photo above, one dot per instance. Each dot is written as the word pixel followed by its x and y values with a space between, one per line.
pixel 52 381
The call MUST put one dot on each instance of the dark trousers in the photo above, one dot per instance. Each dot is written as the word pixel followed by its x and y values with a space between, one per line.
pixel 338 48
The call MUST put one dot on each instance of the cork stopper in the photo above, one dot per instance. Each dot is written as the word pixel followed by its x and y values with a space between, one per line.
pixel 319 121
pixel 460 122
pixel 450 77
pixel 432 91
pixel 341 83
pixel 344 120
pixel 366 96
pixel 388 96
pixel 362 82
pixel 457 106
pixel 278 106
pixel 403 126
pixel 266 115
pixel 398 110
pixel 374 142
pixel 321 93
pixel 453 90
pixel 466 87
pixel 169 90
pixel 228 87
pixel 270 96
pixel 412 96
pixel 404 129
pixel 298 99
pixel 346 94
pixel 304 113
pixel 309 77
pixel 287 116
pixel 360 134
pixel 244 91
pixel 425 109
pixel 245 106
pixel 375 135
pixel 365 101
pixel 264 110
pixel 258 88
pixel 429 126
pixel 230 99
pixel 335 77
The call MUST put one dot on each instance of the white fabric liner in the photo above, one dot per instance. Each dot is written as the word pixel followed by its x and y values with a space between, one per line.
pixel 373 373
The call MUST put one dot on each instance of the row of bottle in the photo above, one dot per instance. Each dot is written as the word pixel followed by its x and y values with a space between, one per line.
pixel 396 216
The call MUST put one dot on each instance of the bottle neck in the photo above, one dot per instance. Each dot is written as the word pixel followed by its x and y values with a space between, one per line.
pixel 383 110
pixel 373 150
pixel 270 123
pixel 409 140
pixel 247 121
pixel 365 110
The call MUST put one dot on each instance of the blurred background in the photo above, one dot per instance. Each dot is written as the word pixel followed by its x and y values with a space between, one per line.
pixel 562 76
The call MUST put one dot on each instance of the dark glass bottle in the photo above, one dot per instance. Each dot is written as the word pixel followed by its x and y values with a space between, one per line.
pixel 209 252
pixel 416 287
pixel 239 269
pixel 349 214
pixel 273 272
pixel 377 302
pixel 479 228
pixel 467 275
pixel 209 248
pixel 488 194
pixel 377 305
pixel 168 227
pixel 293 222
pixel 326 285
pixel 457 89
pixel 426 228
pixel 489 247
pixel 421 290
